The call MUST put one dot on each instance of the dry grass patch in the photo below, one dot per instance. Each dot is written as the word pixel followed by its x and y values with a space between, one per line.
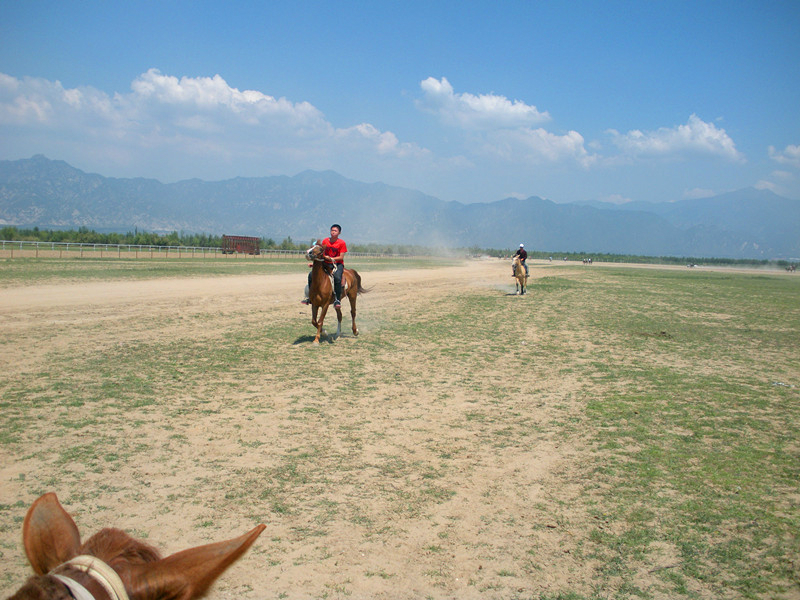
pixel 600 437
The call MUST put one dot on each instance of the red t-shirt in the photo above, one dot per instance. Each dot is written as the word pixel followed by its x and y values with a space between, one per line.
pixel 334 249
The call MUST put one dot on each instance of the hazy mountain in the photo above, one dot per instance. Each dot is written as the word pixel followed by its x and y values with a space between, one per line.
pixel 52 194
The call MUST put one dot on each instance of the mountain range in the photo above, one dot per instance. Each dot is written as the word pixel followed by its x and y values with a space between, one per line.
pixel 51 194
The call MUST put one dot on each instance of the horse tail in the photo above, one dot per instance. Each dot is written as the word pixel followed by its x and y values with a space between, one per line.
pixel 361 288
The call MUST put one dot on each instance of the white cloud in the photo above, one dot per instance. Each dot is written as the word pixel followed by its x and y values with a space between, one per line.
pixel 788 156
pixel 781 182
pixel 213 94
pixel 696 136
pixel 537 146
pixel 179 127
pixel 383 142
pixel 767 185
pixel 189 127
pixel 697 193
pixel 495 126
pixel 481 112
pixel 784 175
pixel 616 199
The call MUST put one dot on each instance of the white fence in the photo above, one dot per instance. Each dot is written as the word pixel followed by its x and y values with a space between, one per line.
pixel 21 249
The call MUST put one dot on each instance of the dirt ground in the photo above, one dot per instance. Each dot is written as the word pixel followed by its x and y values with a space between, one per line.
pixel 405 492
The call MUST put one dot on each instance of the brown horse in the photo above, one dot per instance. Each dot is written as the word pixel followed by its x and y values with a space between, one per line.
pixel 520 275
pixel 111 565
pixel 320 294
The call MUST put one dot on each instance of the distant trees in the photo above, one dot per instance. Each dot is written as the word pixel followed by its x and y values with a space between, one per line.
pixel 203 240
pixel 83 235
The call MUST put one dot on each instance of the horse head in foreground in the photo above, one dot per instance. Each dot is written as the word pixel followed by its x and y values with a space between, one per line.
pixel 520 275
pixel 320 293
pixel 111 565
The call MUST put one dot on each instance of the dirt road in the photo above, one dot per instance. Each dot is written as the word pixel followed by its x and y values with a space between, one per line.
pixel 393 465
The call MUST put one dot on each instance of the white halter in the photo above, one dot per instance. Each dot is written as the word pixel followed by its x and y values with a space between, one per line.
pixel 97 570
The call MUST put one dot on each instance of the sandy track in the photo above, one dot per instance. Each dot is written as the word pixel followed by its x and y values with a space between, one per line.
pixel 392 535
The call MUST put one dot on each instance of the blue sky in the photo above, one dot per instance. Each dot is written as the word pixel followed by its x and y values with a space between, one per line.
pixel 466 101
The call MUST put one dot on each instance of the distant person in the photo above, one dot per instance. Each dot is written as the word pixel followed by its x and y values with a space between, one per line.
pixel 523 257
pixel 334 251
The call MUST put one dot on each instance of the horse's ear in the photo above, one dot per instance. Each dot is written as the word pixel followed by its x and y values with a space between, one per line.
pixel 49 534
pixel 189 574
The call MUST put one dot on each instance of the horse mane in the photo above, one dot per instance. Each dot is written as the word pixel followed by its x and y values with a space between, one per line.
pixel 116 548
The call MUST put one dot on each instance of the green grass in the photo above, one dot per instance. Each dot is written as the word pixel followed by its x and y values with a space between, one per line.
pixel 26 271
pixel 684 403
pixel 698 444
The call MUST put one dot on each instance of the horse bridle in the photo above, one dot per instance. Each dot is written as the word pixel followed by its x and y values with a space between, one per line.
pixel 320 258
pixel 309 256
pixel 97 570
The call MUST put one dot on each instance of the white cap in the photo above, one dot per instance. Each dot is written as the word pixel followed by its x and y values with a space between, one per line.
pixel 522 245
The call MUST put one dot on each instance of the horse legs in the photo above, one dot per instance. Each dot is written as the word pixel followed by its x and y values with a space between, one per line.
pixel 352 299
pixel 338 321
pixel 318 323
pixel 353 311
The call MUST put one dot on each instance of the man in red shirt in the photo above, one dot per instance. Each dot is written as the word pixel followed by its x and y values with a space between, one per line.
pixel 334 252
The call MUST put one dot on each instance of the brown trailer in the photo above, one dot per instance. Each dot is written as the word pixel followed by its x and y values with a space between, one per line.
pixel 240 244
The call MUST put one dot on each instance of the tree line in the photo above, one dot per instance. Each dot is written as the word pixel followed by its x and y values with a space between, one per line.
pixel 85 235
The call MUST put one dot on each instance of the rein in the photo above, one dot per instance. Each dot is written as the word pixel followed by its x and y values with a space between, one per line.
pixel 325 263
pixel 97 570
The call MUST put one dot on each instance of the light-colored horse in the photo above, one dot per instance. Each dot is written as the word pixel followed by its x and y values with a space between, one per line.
pixel 111 565
pixel 520 275
pixel 320 293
